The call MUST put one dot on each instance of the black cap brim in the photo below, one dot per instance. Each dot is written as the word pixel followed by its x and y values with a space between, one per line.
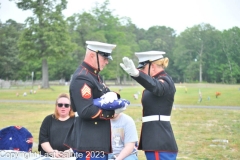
pixel 142 64
pixel 104 54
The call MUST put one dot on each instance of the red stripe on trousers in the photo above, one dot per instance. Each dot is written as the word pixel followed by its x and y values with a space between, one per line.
pixel 156 155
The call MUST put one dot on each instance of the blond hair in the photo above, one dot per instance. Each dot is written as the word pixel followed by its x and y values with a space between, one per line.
pixel 162 62
pixel 56 114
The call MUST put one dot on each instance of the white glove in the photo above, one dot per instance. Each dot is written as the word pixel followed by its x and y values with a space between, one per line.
pixel 109 97
pixel 119 110
pixel 129 67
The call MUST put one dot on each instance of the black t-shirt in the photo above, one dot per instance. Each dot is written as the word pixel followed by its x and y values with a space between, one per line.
pixel 54 131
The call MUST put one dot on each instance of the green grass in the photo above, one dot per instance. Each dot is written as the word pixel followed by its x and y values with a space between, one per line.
pixel 195 129
pixel 229 94
pixel 41 94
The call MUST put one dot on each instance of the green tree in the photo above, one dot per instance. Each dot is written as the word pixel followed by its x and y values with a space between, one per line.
pixel 196 45
pixel 101 25
pixel 160 38
pixel 46 35
pixel 230 45
pixel 82 28
pixel 113 31
pixel 9 54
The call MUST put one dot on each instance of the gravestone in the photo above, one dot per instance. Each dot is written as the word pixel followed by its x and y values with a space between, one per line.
pixel 5 84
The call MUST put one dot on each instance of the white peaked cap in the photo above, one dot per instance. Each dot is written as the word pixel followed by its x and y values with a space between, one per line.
pixel 149 56
pixel 99 46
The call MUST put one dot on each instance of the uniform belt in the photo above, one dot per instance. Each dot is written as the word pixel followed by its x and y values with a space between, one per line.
pixel 156 118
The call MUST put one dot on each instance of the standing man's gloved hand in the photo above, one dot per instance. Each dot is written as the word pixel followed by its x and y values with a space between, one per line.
pixel 109 97
pixel 129 67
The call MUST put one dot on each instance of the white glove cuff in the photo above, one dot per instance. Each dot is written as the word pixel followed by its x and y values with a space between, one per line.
pixel 136 73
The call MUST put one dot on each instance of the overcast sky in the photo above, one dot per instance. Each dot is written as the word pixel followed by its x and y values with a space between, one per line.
pixel 177 14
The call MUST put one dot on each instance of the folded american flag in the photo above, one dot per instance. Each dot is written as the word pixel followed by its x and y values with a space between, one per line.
pixel 99 102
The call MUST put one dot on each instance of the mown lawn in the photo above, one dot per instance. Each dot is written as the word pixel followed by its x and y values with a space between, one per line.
pixel 200 133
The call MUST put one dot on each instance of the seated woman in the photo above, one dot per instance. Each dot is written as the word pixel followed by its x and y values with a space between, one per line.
pixel 54 129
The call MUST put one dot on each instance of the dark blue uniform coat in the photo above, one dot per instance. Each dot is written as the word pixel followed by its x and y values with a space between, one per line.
pixel 157 99
pixel 91 131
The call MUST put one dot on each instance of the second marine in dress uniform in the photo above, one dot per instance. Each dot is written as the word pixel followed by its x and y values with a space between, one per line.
pixel 156 138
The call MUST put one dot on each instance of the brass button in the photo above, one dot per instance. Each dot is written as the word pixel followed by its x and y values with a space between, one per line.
pixel 102 115
pixel 95 123
pixel 107 115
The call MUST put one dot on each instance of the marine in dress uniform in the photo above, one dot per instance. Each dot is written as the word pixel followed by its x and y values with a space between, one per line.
pixel 157 137
pixel 90 134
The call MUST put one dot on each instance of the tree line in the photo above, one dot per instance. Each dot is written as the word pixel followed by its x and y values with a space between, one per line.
pixel 52 46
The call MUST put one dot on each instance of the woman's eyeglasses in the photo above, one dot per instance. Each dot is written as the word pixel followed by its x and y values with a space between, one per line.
pixel 61 105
